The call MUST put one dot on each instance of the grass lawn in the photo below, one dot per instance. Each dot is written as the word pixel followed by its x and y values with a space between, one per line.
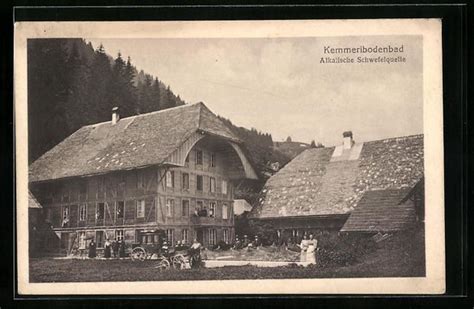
pixel 395 258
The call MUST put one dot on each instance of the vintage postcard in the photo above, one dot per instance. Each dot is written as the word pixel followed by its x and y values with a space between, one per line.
pixel 230 157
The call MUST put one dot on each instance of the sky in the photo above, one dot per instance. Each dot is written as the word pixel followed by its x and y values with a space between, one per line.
pixel 279 86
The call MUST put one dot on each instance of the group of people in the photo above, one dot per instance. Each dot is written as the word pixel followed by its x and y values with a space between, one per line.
pixel 117 248
pixel 193 251
pixel 246 242
pixel 308 248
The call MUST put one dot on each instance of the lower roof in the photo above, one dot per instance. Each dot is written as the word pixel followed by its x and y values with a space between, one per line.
pixel 381 211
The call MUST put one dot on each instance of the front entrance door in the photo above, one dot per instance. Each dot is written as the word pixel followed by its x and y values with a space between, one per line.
pixel 200 235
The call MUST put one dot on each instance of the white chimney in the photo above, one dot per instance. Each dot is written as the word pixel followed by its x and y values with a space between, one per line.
pixel 115 115
pixel 348 141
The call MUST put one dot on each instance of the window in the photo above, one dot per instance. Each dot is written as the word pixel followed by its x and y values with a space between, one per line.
pixel 226 236
pixel 99 235
pixel 100 211
pixel 200 210
pixel 294 233
pixel 169 207
pixel 119 209
pixel 118 235
pixel 224 186
pixel 140 180
pixel 212 209
pixel 169 236
pixel 213 160
pixel 141 209
pixel 198 157
pixel 185 208
pixel 65 212
pixel 199 182
pixel 169 179
pixel 212 236
pixel 185 181
pixel 225 211
pixel 212 184
pixel 82 240
pixel 82 212
pixel 184 236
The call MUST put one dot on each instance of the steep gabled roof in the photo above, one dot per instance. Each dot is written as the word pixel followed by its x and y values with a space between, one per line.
pixel 326 181
pixel 132 142
pixel 381 210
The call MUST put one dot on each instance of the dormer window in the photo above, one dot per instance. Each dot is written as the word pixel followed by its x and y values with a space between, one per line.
pixel 213 160
pixel 169 179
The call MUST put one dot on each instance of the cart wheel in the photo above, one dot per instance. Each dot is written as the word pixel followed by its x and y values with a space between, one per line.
pixel 138 254
pixel 164 264
pixel 179 262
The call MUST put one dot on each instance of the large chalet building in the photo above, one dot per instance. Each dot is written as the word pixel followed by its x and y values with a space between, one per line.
pixel 171 170
pixel 368 187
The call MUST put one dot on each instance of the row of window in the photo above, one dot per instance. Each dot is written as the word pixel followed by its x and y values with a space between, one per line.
pixel 100 237
pixel 141 181
pixel 170 182
pixel 200 210
pixel 199 158
pixel 140 210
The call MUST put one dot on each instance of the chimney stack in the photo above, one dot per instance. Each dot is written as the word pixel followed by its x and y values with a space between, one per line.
pixel 115 115
pixel 347 139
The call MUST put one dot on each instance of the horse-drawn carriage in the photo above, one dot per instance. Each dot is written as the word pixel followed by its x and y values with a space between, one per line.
pixel 153 246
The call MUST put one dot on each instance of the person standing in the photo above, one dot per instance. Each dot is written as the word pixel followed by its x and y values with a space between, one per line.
pixel 121 248
pixel 107 247
pixel 115 248
pixel 92 249
pixel 311 251
pixel 195 254
pixel 304 248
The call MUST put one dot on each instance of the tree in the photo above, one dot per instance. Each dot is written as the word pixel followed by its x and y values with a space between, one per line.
pixel 100 87
pixel 77 105
pixel 313 144
pixel 156 94
pixel 288 139
pixel 48 87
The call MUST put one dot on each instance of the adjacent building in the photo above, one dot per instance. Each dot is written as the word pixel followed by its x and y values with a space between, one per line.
pixel 368 187
pixel 171 170
pixel 241 206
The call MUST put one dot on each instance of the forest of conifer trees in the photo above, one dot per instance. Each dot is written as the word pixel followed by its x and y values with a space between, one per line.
pixel 71 85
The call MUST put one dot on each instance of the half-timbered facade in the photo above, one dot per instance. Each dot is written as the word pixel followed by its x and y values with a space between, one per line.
pixel 171 170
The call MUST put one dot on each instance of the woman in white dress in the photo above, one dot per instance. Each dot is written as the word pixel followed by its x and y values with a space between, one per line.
pixel 312 244
pixel 304 248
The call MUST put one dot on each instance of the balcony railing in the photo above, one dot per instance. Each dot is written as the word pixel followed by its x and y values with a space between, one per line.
pixel 197 220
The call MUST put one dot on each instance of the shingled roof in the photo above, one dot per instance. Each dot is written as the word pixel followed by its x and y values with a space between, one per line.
pixel 105 147
pixel 381 210
pixel 326 181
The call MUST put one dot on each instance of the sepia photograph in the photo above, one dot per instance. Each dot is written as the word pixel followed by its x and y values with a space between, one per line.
pixel 180 153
